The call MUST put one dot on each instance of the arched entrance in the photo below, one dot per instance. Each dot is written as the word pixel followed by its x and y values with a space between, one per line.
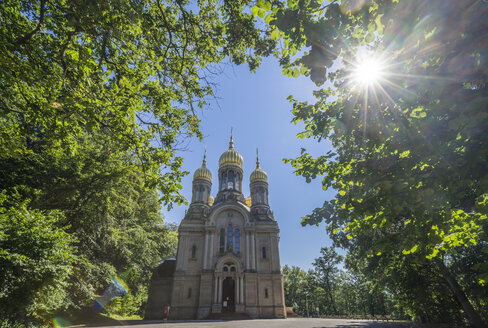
pixel 228 295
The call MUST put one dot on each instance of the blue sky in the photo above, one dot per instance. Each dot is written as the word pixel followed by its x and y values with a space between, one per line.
pixel 255 105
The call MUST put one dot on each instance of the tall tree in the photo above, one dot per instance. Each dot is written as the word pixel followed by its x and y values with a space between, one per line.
pixel 96 97
pixel 136 71
pixel 410 165
pixel 36 259
pixel 326 268
pixel 112 219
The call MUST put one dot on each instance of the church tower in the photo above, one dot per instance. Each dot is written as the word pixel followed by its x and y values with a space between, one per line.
pixel 228 256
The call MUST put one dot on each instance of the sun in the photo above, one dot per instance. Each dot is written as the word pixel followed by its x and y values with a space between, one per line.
pixel 368 72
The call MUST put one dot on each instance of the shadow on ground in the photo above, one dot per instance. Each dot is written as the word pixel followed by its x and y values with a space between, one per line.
pixel 394 324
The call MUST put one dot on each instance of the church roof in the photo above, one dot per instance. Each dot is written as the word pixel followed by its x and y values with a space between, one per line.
pixel 258 174
pixel 231 156
pixel 203 172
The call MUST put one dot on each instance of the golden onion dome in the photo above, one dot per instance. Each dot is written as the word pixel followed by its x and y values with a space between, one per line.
pixel 211 200
pixel 248 201
pixel 258 174
pixel 202 172
pixel 231 156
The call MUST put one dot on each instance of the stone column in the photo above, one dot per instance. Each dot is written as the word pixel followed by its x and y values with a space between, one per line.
pixel 205 251
pixel 210 256
pixel 248 250
pixel 216 290
pixel 237 290
pixel 242 289
pixel 273 251
pixel 221 288
pixel 253 251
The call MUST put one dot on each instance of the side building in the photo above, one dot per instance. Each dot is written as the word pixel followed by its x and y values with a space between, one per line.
pixel 228 256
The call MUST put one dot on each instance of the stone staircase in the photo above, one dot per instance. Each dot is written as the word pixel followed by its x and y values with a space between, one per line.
pixel 228 316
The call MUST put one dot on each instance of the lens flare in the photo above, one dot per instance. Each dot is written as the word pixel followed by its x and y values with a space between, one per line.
pixel 59 322
pixel 116 288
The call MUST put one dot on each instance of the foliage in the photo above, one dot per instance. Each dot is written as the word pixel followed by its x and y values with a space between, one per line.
pixel 336 292
pixel 325 268
pixel 134 71
pixel 96 98
pixel 409 161
pixel 116 220
pixel 37 258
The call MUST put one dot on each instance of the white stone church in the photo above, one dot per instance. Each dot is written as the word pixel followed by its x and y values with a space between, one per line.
pixel 228 257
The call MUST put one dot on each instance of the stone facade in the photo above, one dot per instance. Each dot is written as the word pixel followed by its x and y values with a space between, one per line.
pixel 228 256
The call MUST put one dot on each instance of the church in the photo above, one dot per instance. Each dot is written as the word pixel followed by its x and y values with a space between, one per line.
pixel 228 257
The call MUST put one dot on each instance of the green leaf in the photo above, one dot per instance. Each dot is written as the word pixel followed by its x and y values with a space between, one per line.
pixel 369 37
pixel 268 18
pixel 255 10
pixel 379 25
pixel 275 35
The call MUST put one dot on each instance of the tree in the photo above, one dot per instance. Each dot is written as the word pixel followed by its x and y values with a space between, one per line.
pixel 96 98
pixel 135 71
pixel 294 286
pixel 409 164
pixel 106 207
pixel 325 268
pixel 37 258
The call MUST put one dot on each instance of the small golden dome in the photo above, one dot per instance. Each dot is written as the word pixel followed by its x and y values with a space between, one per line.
pixel 231 156
pixel 210 200
pixel 202 172
pixel 248 201
pixel 258 174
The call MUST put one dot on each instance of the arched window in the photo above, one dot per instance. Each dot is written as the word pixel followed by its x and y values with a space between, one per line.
pixel 260 196
pixel 229 237
pixel 222 241
pixel 200 193
pixel 238 182
pixel 263 250
pixel 237 242
pixel 194 252
pixel 222 184
pixel 230 180
pixel 232 269
pixel 266 295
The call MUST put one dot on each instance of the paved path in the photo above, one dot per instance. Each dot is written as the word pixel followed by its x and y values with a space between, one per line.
pixel 274 323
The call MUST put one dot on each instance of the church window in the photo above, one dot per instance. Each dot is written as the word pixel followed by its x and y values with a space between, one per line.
pixel 222 241
pixel 266 295
pixel 238 181
pixel 222 184
pixel 229 237
pixel 200 194
pixel 230 183
pixel 263 250
pixel 232 269
pixel 260 196
pixel 237 241
pixel 189 292
pixel 194 252
pixel 226 269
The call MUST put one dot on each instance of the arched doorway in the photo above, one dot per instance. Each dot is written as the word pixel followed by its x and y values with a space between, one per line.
pixel 228 295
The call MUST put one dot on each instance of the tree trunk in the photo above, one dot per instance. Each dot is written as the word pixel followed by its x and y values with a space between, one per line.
pixel 473 317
